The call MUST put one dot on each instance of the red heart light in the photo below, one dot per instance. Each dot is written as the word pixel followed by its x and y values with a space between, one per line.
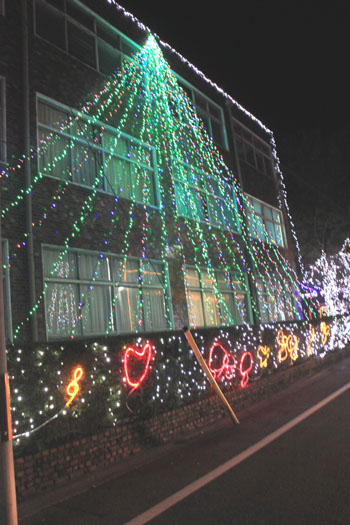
pixel 140 358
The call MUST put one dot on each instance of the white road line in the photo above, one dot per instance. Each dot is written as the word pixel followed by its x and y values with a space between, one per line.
pixel 219 471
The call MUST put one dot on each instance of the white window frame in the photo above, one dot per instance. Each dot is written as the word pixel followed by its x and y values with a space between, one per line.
pixel 99 148
pixel 261 218
pixel 3 141
pixel 113 286
pixel 121 53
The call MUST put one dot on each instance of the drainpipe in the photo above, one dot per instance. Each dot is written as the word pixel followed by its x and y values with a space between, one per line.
pixel 27 169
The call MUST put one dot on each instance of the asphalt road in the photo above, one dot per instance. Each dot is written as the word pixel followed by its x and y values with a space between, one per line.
pixel 302 477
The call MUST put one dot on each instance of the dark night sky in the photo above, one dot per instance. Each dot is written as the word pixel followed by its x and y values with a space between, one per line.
pixel 285 63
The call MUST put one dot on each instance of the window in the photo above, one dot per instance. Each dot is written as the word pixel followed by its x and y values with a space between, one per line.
pixel 210 113
pixel 90 293
pixel 85 154
pixel 2 121
pixel 252 149
pixel 6 290
pixel 276 301
pixel 83 34
pixel 271 218
pixel 228 306
pixel 203 197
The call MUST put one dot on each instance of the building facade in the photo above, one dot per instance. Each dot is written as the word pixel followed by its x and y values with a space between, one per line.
pixel 136 197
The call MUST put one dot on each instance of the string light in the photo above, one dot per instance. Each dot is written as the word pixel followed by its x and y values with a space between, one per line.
pixel 168 126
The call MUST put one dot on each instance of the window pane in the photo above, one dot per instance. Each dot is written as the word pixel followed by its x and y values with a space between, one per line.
pixel 117 269
pixel 83 130
pixel 81 44
pixel 131 271
pixel 108 35
pixel 215 111
pixel 267 212
pixel 259 161
pixel 127 307
pixel 55 160
pixel 272 308
pixel 268 166
pixel 50 24
pixel 263 308
pixel 276 216
pixel 96 309
pixel 62 309
pixel 154 309
pixel 183 202
pixel 85 164
pixel 204 117
pixel 242 308
pixel 207 280
pixel 127 47
pixel 210 309
pixel 152 274
pixel 271 231
pixel 51 116
pixel 217 132
pixel 115 145
pixel 257 206
pixel 141 155
pixel 279 235
pixel 108 58
pixel 93 267
pixel 195 308
pixel 63 267
pixel 117 175
pixel 230 220
pixel 223 281
pixel 240 148
pixel 80 16
pixel 227 309
pixel 200 100
pixel 249 153
pixel 192 279
pixel 143 185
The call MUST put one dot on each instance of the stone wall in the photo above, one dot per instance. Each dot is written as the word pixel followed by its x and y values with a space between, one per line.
pixel 59 465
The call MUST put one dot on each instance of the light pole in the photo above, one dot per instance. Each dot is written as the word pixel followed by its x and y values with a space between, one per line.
pixel 8 505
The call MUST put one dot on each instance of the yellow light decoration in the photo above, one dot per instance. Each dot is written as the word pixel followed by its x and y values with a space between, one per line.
pixel 311 338
pixel 288 345
pixel 263 353
pixel 325 330
pixel 73 387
